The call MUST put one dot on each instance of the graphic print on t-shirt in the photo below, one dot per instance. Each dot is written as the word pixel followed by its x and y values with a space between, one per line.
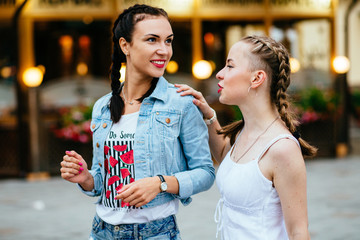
pixel 119 167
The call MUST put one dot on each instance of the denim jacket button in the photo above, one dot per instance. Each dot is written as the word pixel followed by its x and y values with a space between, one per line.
pixel 93 126
pixel 97 145
pixel 157 113
pixel 104 125
pixel 100 164
pixel 116 228
pixel 167 120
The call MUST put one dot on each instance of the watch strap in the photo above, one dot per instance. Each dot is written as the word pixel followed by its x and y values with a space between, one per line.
pixel 162 179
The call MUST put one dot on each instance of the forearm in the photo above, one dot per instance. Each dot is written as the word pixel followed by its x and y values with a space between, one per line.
pixel 301 235
pixel 217 142
pixel 172 183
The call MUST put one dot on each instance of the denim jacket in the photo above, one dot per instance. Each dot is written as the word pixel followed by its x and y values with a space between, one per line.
pixel 171 139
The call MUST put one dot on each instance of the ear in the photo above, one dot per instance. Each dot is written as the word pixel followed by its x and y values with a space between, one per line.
pixel 259 78
pixel 124 45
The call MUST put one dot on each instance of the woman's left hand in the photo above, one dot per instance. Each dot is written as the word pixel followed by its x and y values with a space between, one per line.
pixel 140 192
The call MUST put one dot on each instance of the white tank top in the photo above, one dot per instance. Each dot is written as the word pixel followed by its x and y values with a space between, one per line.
pixel 249 207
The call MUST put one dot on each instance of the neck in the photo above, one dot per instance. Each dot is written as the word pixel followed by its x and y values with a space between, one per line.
pixel 135 89
pixel 258 118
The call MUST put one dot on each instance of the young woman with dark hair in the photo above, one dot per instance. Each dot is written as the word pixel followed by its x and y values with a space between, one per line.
pixel 150 145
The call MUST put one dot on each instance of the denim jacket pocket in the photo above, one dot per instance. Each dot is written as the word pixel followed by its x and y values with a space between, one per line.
pixel 167 124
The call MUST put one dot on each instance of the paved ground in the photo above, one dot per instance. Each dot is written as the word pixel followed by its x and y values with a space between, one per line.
pixel 55 209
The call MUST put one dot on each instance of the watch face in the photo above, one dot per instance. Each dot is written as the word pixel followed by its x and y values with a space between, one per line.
pixel 163 186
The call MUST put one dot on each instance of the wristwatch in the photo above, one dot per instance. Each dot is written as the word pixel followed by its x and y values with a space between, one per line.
pixel 163 185
pixel 211 120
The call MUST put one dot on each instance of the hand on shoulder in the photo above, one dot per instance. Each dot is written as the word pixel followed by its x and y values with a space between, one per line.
pixel 199 99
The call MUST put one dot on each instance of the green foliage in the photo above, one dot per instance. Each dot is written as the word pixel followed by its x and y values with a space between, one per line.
pixel 314 104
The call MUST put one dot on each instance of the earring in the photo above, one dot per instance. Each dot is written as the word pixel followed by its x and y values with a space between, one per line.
pixel 249 89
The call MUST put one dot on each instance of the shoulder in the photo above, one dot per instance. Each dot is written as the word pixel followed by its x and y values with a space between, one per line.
pixel 104 99
pixel 175 97
pixel 101 102
pixel 286 155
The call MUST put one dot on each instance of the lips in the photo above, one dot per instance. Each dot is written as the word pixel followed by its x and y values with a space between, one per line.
pixel 220 88
pixel 158 63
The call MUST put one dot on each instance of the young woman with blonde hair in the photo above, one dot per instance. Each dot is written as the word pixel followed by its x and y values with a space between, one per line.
pixel 262 175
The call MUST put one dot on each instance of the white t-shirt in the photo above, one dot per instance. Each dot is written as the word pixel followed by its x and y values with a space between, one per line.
pixel 119 171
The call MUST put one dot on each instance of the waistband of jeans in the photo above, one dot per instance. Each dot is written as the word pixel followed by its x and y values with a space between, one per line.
pixel 136 226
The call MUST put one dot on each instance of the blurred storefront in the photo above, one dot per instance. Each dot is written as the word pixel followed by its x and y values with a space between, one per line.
pixel 70 41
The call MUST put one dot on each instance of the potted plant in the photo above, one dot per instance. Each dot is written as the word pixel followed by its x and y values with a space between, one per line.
pixel 71 132
pixel 317 111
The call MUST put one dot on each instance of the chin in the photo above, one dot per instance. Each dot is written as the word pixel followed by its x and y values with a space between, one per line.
pixel 157 74
pixel 223 101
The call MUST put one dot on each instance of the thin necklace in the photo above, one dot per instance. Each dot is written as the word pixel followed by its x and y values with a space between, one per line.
pixel 126 101
pixel 258 138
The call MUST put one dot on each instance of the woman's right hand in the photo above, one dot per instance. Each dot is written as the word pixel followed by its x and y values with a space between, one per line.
pixel 74 168
pixel 199 100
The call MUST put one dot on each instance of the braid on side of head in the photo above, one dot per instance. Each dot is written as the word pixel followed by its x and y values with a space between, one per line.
pixel 116 102
pixel 276 62
pixel 283 104
pixel 282 84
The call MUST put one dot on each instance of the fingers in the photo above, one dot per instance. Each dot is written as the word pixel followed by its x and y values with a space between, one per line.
pixel 137 193
pixel 131 196
pixel 74 155
pixel 68 173
pixel 71 165
pixel 184 90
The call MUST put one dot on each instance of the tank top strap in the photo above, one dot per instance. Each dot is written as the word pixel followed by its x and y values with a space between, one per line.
pixel 272 142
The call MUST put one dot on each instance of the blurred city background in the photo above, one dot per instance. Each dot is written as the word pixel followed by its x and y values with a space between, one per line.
pixel 55 57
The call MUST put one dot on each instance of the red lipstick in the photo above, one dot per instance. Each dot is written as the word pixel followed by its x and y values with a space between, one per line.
pixel 159 63
pixel 220 88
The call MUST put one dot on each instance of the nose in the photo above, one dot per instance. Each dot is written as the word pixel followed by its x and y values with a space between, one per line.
pixel 163 49
pixel 220 74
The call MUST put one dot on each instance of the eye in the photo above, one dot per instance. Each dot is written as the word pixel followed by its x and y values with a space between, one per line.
pixel 152 39
pixel 229 66
pixel 169 40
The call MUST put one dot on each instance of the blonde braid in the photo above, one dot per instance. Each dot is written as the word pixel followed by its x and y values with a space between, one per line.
pixel 274 59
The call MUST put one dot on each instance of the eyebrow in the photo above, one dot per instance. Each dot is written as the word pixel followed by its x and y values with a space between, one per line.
pixel 154 35
pixel 229 60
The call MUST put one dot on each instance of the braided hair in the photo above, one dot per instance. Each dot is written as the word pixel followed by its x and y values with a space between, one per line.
pixel 273 58
pixel 124 27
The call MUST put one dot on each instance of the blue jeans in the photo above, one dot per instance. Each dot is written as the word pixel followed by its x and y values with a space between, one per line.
pixel 163 229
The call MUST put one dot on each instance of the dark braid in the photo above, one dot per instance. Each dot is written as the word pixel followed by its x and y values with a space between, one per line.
pixel 124 27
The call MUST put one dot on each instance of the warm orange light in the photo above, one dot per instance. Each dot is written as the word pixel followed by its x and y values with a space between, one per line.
pixel 209 39
pixel 88 19
pixel 172 67
pixel 82 69
pixel 294 65
pixel 66 41
pixel 202 69
pixel 122 72
pixel 6 72
pixel 32 77
pixel 84 41
pixel 341 64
